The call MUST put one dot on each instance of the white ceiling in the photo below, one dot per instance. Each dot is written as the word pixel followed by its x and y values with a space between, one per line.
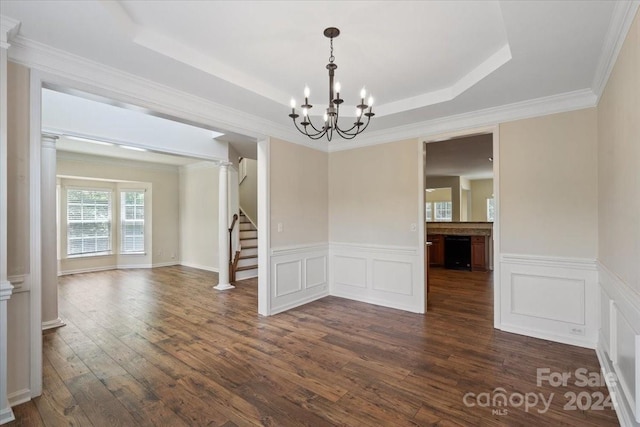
pixel 467 157
pixel 420 60
pixel 66 144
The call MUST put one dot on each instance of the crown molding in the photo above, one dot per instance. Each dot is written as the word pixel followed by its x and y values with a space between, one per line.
pixel 128 88
pixel 553 104
pixel 8 30
pixel 87 75
pixel 623 15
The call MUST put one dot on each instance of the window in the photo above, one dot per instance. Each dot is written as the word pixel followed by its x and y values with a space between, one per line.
pixel 491 209
pixel 427 211
pixel 88 221
pixel 442 211
pixel 132 221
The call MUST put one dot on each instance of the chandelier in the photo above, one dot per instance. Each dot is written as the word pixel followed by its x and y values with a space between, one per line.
pixel 332 115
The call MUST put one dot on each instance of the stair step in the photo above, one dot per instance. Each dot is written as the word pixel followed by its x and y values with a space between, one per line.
pixel 248 256
pixel 248 267
pixel 250 247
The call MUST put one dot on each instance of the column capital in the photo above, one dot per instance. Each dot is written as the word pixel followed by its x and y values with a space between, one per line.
pixel 225 164
pixel 8 29
pixel 6 289
pixel 49 140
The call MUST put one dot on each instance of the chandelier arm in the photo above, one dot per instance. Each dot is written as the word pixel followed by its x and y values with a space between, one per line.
pixel 304 131
pixel 314 128
pixel 350 135
pixel 347 135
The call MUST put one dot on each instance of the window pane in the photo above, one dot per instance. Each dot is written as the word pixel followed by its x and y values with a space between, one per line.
pixel 132 221
pixel 491 209
pixel 88 221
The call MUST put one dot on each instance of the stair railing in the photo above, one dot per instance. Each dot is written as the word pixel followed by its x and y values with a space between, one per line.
pixel 233 258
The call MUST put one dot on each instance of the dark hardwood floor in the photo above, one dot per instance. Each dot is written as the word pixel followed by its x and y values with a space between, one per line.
pixel 161 347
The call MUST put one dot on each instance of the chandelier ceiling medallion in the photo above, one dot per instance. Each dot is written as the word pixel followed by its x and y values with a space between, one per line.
pixel 331 116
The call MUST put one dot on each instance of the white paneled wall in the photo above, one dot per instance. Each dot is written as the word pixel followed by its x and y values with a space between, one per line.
pixel 298 276
pixel 619 344
pixel 550 298
pixel 384 275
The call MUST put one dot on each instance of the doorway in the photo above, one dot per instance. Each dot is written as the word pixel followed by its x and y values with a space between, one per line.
pixel 111 96
pixel 460 211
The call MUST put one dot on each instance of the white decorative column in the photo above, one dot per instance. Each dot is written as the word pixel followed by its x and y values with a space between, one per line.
pixel 49 232
pixel 223 229
pixel 8 28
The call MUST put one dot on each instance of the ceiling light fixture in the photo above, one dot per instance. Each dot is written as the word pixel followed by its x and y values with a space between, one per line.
pixel 92 141
pixel 128 147
pixel 332 114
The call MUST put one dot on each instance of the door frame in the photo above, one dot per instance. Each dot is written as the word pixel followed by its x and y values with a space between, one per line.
pixel 495 131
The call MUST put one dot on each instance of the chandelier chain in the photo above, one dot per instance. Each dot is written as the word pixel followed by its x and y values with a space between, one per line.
pixel 331 57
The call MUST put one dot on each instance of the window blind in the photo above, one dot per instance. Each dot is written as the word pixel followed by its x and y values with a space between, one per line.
pixel 88 221
pixel 132 221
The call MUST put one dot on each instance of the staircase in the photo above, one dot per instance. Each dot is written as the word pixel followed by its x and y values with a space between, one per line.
pixel 247 266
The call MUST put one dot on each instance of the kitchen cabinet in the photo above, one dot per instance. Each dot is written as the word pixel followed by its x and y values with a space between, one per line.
pixel 478 253
pixel 436 251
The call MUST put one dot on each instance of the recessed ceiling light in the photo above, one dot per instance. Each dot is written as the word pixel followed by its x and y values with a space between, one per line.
pixel 128 147
pixel 491 159
pixel 430 190
pixel 92 141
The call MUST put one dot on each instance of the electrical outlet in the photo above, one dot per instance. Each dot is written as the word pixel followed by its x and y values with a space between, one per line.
pixel 280 227
pixel 576 330
pixel 413 226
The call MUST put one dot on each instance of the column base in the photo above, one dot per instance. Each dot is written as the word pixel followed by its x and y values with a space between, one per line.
pixel 6 415
pixel 52 324
pixel 223 287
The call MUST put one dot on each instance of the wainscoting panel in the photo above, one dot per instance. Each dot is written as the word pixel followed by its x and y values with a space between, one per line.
pixel 298 276
pixel 349 271
pixel 383 275
pixel 288 275
pixel 619 344
pixel 530 297
pixel 550 298
pixel 316 271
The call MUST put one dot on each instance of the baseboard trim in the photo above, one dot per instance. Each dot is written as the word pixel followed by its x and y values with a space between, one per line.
pixel 623 411
pixel 374 301
pixel 543 335
pixel 87 270
pixel 6 416
pixel 53 324
pixel 19 397
pixel 165 264
pixel 298 303
pixel 200 267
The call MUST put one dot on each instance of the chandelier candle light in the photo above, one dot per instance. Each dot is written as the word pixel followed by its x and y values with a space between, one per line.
pixel 332 114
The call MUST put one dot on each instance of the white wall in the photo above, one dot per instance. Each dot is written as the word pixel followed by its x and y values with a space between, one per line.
pixel 481 190
pixel 619 226
pixel 374 210
pixel 299 224
pixel 199 215
pixel 548 227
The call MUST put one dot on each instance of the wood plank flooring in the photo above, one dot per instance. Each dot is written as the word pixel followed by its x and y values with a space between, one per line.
pixel 161 347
